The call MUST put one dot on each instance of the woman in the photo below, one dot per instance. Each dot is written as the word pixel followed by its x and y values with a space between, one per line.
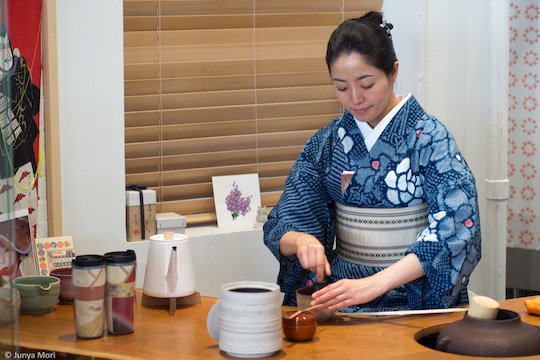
pixel 387 182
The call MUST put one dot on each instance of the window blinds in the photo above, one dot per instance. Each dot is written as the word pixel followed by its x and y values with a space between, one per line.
pixel 224 87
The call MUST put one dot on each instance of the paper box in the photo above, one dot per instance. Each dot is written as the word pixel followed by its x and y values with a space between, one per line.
pixel 170 222
pixel 133 215
pixel 54 253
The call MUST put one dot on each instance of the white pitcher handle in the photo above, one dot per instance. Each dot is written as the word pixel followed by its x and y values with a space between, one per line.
pixel 172 273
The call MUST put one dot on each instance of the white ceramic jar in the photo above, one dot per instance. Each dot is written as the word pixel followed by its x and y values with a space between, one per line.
pixel 250 319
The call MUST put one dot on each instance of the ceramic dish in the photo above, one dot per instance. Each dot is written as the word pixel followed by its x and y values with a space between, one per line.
pixel 66 284
pixel 39 294
pixel 212 321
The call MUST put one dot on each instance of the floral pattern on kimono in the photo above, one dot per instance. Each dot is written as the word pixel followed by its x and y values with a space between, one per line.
pixel 415 160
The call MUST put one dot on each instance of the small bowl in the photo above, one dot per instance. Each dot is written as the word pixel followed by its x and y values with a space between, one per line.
pixel 10 304
pixel 302 327
pixel 66 284
pixel 304 299
pixel 39 294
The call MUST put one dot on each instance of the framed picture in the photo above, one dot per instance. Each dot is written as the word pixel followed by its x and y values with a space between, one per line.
pixel 236 199
pixel 54 253
pixel 17 249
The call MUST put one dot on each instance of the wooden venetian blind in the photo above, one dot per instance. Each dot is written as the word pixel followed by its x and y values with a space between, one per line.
pixel 224 87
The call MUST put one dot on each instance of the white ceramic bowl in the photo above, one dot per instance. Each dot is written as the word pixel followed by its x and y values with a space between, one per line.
pixel 10 305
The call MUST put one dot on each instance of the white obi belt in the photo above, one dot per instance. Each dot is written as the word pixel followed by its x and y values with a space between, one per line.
pixel 377 237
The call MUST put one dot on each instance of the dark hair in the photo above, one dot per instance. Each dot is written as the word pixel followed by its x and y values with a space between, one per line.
pixel 368 36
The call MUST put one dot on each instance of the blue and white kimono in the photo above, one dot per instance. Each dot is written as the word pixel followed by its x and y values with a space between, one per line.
pixel 414 160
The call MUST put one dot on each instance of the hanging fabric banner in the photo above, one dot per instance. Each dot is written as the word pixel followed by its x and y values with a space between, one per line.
pixel 20 82
pixel 523 132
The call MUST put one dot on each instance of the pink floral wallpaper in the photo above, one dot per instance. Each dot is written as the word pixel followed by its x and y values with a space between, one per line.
pixel 523 120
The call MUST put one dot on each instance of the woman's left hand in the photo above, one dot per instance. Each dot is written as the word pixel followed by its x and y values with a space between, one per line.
pixel 347 292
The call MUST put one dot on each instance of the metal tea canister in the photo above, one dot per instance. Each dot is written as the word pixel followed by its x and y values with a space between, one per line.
pixel 120 291
pixel 88 276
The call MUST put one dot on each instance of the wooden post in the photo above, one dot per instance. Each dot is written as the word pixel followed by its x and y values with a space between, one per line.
pixel 52 123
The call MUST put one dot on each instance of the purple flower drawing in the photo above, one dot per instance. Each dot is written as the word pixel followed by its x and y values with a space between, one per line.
pixel 237 204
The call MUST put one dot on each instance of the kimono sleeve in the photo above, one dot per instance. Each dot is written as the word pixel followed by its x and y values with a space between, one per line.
pixel 449 248
pixel 302 206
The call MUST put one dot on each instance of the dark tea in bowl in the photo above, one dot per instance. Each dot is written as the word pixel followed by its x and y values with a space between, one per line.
pixel 250 290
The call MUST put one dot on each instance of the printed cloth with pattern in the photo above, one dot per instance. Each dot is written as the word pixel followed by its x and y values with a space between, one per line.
pixel 415 160
pixel 523 227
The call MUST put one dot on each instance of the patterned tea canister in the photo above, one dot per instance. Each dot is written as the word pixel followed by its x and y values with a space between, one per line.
pixel 120 298
pixel 249 319
pixel 88 277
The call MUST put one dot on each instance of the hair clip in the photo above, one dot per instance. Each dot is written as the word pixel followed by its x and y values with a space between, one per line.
pixel 387 27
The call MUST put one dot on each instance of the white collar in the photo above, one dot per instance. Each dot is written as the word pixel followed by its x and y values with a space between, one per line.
pixel 371 135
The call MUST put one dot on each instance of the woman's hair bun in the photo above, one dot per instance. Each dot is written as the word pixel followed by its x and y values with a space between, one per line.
pixel 373 16
pixel 368 36
pixel 376 17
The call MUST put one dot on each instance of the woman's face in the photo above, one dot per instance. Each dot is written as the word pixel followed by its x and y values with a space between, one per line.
pixel 364 90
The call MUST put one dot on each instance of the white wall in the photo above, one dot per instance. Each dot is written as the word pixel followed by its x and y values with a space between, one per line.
pixel 405 16
pixel 457 82
pixel 440 48
pixel 91 95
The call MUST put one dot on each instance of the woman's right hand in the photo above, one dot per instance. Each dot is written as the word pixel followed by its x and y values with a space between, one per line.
pixel 309 250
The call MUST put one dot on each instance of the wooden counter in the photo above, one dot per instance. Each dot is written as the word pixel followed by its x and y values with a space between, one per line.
pixel 158 335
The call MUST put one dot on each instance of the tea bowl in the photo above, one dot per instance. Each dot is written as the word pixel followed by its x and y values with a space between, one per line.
pixel 66 284
pixel 304 299
pixel 302 327
pixel 39 294
pixel 10 304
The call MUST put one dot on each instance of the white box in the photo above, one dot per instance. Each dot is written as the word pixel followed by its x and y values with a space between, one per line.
pixel 133 199
pixel 170 222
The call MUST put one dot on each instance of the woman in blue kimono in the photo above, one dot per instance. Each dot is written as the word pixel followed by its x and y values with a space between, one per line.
pixel 380 201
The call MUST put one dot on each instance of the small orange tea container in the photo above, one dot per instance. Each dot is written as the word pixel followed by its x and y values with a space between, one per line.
pixel 301 327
